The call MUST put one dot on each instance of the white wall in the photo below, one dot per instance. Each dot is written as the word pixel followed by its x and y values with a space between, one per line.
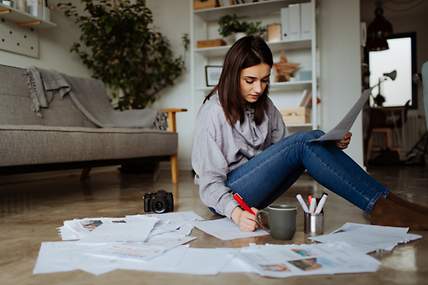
pixel 54 48
pixel 172 18
pixel 340 81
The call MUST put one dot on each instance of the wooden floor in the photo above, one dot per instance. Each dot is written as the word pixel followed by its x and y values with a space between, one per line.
pixel 31 211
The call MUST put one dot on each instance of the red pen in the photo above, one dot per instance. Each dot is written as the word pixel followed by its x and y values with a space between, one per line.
pixel 242 203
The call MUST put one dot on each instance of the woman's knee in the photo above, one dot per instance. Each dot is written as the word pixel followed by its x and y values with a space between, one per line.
pixel 311 135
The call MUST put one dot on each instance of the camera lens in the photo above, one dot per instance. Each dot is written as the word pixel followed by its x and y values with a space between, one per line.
pixel 159 206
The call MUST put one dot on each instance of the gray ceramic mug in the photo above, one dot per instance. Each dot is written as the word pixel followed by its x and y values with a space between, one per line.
pixel 281 219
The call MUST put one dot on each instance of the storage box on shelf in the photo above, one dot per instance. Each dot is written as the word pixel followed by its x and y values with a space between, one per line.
pixel 296 115
pixel 204 4
pixel 210 43
pixel 300 49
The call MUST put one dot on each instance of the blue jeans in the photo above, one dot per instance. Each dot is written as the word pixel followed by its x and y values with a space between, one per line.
pixel 267 175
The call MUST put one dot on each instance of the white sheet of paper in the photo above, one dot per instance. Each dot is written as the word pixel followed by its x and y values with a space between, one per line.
pixel 78 228
pixel 178 217
pixel 139 251
pixel 348 120
pixel 204 261
pixel 225 229
pixel 368 238
pixel 236 265
pixel 314 259
pixel 182 259
pixel 129 231
pixel 63 256
pixel 171 224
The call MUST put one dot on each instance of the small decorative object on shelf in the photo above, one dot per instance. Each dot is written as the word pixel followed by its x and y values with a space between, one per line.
pixel 204 4
pixel 212 74
pixel 274 33
pixel 284 69
pixel 210 43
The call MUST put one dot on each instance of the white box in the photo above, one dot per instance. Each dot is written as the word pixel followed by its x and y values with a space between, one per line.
pixel 35 8
pixel 290 21
pixel 284 23
pixel 306 20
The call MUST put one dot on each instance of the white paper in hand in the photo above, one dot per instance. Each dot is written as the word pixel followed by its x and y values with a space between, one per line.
pixel 338 132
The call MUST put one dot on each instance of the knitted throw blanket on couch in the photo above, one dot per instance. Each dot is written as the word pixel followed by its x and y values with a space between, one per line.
pixel 89 96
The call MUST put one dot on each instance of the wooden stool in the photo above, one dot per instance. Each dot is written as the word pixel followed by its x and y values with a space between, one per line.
pixel 387 133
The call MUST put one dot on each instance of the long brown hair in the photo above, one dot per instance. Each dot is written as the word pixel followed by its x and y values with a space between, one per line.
pixel 246 52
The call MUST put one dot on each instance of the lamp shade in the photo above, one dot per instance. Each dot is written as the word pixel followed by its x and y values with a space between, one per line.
pixel 378 31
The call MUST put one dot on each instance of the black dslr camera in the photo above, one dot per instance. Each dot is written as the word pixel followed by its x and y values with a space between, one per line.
pixel 158 202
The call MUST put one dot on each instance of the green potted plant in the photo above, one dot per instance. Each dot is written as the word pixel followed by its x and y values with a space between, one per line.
pixel 229 25
pixel 255 29
pixel 119 45
pixel 232 29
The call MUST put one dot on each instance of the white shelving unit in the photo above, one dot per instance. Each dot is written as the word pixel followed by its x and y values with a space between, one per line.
pixel 303 51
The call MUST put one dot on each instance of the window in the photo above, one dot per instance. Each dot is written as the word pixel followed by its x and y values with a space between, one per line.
pixel 401 56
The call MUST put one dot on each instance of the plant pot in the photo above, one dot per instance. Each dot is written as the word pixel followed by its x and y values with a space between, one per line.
pixel 230 39
pixel 239 36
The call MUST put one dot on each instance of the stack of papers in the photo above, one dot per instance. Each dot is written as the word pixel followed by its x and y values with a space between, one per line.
pixel 99 245
pixel 368 238
pixel 129 228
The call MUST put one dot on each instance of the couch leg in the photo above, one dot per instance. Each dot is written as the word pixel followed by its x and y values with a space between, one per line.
pixel 85 173
pixel 174 169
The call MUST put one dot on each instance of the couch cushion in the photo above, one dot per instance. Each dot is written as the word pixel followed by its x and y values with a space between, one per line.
pixel 33 144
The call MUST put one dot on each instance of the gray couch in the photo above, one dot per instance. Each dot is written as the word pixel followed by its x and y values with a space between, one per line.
pixel 64 138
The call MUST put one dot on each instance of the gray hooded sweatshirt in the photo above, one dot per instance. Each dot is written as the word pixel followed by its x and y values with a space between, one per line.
pixel 218 148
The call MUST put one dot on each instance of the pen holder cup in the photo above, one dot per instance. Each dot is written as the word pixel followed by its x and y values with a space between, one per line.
pixel 314 224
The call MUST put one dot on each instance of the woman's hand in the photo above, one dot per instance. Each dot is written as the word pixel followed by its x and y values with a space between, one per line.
pixel 343 143
pixel 246 221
